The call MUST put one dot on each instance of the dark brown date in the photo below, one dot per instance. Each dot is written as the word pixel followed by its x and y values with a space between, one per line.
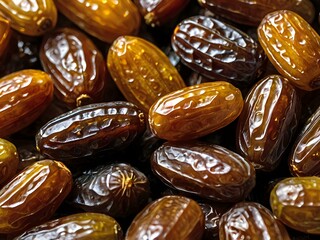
pixel 218 50
pixel 90 129
pixel 267 122
pixel 118 190
pixel 209 171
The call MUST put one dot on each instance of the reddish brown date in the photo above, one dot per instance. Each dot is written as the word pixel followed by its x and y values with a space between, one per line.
pixel 9 160
pixel 267 122
pixel 209 171
pixel 90 129
pixel 76 65
pixel 218 50
pixel 170 217
pixel 118 190
pixel 33 196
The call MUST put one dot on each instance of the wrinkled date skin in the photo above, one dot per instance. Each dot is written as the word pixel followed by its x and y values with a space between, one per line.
pixel 209 171
pixel 5 36
pixel 89 129
pixel 250 220
pixel 159 12
pixel 267 122
pixel 105 20
pixel 170 217
pixel 293 47
pixel 93 226
pixel 295 202
pixel 305 157
pixel 33 196
pixel 195 111
pixel 218 51
pixel 30 17
pixel 24 95
pixel 76 65
pixel 118 190
pixel 251 12
pixel 142 72
pixel 9 160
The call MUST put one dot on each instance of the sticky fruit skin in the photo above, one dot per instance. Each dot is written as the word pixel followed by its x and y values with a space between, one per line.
pixel 195 111
pixel 293 47
pixel 9 160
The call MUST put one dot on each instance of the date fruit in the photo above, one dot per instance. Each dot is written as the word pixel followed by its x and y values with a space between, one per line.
pixel 293 47
pixel 170 217
pixel 24 95
pixel 90 129
pixel 267 122
pixel 142 72
pixel 9 160
pixel 195 111
pixel 76 65
pixel 33 196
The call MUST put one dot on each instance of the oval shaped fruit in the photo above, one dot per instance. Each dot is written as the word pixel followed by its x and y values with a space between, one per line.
pixel 170 217
pixel 33 196
pixel 295 202
pixel 76 65
pixel 267 122
pixel 9 160
pixel 118 190
pixel 218 50
pixel 105 20
pixel 250 220
pixel 293 47
pixel 5 36
pixel 195 111
pixel 30 17
pixel 305 157
pixel 209 171
pixel 90 129
pixel 142 72
pixel 251 12
pixel 24 95
pixel 93 226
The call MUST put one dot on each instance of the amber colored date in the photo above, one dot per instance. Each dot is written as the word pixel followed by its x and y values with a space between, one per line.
pixel 295 201
pixel 24 95
pixel 76 65
pixel 218 50
pixel 105 20
pixel 9 160
pixel 93 226
pixel 33 196
pixel 5 36
pixel 209 171
pixel 170 217
pixel 250 220
pixel 90 129
pixel 118 190
pixel 293 47
pixel 142 72
pixel 30 17
pixel 195 111
pixel 268 121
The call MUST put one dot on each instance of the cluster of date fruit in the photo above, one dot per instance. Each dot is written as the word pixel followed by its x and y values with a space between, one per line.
pixel 166 119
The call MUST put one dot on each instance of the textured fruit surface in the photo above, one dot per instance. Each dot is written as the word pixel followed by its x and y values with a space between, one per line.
pixel 33 196
pixel 209 171
pixel 105 20
pixel 218 50
pixel 24 95
pixel 5 36
pixel 142 72
pixel 9 160
pixel 89 129
pixel 30 17
pixel 268 121
pixel 171 217
pixel 195 111
pixel 295 201
pixel 293 47
pixel 93 226
pixel 76 65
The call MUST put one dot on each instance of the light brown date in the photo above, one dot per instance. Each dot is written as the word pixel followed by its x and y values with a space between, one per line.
pixel 9 160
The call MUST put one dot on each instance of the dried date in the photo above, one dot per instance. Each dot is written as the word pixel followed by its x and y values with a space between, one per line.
pixel 9 160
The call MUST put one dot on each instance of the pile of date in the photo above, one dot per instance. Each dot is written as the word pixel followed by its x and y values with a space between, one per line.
pixel 160 119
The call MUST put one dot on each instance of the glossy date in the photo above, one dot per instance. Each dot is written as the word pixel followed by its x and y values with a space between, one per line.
pixel 9 160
